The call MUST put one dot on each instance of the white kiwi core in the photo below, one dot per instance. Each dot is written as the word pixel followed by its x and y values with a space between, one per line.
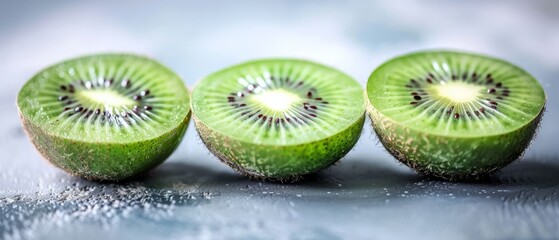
pixel 459 92
pixel 277 100
pixel 107 98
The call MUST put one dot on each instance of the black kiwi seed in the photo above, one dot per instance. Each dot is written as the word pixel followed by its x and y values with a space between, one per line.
pixel 418 92
pixel 310 107
pixel 145 92
pixel 78 109
pixel 125 83
pixel 62 98
pixel 147 108
pixel 109 82
pixel 450 110
pixel 63 88
pixel 137 97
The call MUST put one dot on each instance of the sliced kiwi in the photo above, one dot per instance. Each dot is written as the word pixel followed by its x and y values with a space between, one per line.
pixel 454 115
pixel 278 118
pixel 105 117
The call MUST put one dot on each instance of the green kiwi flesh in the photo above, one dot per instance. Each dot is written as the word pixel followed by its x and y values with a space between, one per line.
pixel 105 117
pixel 455 115
pixel 278 119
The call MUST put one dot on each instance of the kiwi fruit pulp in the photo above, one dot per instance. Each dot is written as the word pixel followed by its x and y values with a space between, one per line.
pixel 454 115
pixel 105 117
pixel 278 119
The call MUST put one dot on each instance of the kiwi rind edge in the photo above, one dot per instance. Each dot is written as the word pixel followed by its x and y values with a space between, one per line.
pixel 491 154
pixel 279 163
pixel 104 162
pixel 99 161
pixel 452 158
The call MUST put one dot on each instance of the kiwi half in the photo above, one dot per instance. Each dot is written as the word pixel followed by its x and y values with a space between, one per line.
pixel 454 115
pixel 105 117
pixel 278 118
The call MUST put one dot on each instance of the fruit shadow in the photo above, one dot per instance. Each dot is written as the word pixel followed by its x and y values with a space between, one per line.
pixel 353 173
pixel 188 173
pixel 542 171
pixel 528 172
pixel 359 173
pixel 357 176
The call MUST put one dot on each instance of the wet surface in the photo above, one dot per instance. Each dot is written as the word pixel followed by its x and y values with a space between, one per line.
pixel 183 200
pixel 194 196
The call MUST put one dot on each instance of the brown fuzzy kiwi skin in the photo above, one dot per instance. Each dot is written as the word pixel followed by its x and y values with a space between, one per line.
pixel 452 158
pixel 105 161
pixel 279 163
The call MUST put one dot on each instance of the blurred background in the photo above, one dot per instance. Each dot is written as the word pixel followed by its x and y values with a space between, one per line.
pixel 192 195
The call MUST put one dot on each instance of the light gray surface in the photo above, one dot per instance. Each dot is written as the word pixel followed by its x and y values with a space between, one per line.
pixel 192 195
